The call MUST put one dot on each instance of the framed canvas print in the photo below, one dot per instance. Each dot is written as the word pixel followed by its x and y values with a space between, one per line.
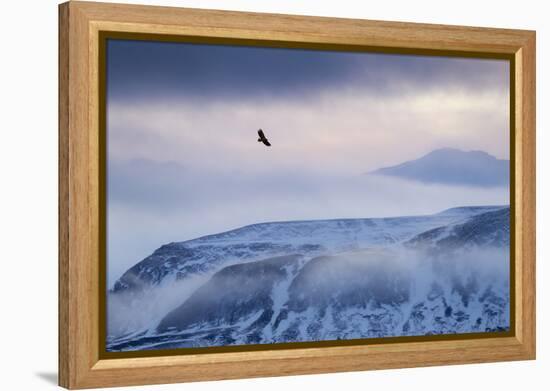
pixel 248 195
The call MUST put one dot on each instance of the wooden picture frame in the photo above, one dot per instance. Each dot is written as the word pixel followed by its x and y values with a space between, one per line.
pixel 81 364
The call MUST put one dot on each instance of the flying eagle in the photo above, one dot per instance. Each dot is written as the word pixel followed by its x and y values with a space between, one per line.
pixel 262 138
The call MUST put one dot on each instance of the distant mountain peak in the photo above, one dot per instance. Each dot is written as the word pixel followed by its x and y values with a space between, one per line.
pixel 452 166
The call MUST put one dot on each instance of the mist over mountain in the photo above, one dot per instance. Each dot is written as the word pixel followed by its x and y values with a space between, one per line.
pixel 453 167
pixel 490 229
pixel 319 280
pixel 179 260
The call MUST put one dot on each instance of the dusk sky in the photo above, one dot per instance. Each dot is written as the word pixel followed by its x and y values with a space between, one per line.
pixel 183 160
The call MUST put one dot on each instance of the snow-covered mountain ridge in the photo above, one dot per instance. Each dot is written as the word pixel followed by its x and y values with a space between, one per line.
pixel 181 259
pixel 321 280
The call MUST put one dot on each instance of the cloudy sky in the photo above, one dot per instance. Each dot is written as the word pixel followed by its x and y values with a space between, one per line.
pixel 183 160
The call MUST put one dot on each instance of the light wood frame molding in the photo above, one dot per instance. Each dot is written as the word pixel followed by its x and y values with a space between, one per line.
pixel 80 24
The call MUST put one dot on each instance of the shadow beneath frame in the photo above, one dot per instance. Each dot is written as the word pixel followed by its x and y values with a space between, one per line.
pixel 48 377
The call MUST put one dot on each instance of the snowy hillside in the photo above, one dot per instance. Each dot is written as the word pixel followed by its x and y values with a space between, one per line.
pixel 253 242
pixel 319 280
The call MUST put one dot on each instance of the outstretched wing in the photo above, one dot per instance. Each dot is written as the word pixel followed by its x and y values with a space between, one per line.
pixel 263 139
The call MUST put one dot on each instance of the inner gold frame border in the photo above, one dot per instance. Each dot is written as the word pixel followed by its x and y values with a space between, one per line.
pixel 83 28
pixel 103 38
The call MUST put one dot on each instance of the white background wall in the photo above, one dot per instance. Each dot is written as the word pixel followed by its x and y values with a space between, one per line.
pixel 28 194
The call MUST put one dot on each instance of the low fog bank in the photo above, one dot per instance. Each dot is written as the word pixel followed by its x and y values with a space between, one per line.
pixel 143 216
pixel 129 313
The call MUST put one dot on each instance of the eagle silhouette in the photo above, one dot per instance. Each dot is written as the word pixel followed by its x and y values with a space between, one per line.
pixel 262 138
